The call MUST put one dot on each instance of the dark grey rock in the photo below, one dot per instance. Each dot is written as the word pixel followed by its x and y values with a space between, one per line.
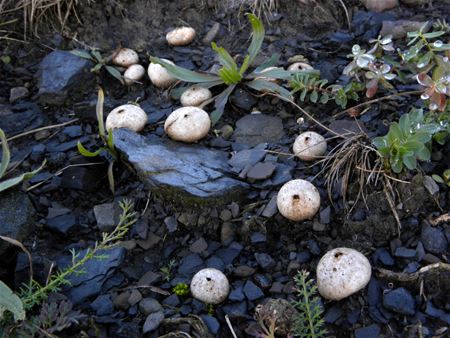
pixel 16 217
pixel 383 256
pixel 212 323
pixel 261 171
pixel 230 253
pixel 325 215
pixel 171 223
pixel 270 208
pixel 62 224
pixel 246 157
pixel 107 216
pixel 403 252
pixel 199 245
pixel 185 173
pixel 191 264
pixel 265 261
pixel 399 300
pixel 173 300
pixel 242 99
pixel 21 117
pixel 332 314
pixel 237 294
pixel 434 312
pixel 18 93
pixel 372 331
pixel 80 178
pixel 97 271
pixel 434 240
pixel 64 75
pixel 152 322
pixel 149 305
pixel 236 310
pixel 258 237
pixel 216 263
pixel 254 129
pixel 251 291
pixel 102 305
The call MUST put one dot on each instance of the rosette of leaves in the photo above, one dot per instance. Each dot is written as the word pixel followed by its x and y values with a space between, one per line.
pixel 100 62
pixel 378 75
pixel 233 75
pixel 407 141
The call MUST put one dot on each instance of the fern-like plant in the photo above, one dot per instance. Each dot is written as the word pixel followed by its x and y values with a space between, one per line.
pixel 309 323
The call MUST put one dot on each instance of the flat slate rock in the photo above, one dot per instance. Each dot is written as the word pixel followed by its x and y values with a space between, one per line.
pixel 253 129
pixel 185 173
pixel 16 217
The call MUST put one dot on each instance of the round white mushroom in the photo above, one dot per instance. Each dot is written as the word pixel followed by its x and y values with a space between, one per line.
pixel 341 272
pixel 125 57
pixel 210 286
pixel 187 124
pixel 298 200
pixel 181 36
pixel 309 146
pixel 195 96
pixel 127 116
pixel 159 76
pixel 297 66
pixel 133 73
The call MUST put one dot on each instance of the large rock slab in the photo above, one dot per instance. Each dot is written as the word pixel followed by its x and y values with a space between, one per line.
pixel 63 75
pixel 184 173
pixel 16 216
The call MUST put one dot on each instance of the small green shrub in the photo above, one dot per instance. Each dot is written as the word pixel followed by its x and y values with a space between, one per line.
pixel 310 323
pixel 181 289
pixel 100 62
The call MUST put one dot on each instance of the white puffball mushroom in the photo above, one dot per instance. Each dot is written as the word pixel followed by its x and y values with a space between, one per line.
pixel 125 57
pixel 210 286
pixel 298 200
pixel 181 36
pixel 187 124
pixel 133 73
pixel 159 76
pixel 341 272
pixel 127 116
pixel 195 96
pixel 309 146
pixel 297 66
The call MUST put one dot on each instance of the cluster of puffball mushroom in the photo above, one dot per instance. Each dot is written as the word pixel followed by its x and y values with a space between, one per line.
pixel 341 272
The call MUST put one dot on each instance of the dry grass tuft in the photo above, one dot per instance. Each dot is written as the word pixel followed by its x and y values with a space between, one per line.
pixel 261 8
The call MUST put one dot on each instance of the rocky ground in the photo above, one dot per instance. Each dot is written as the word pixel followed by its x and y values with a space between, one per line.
pixel 212 204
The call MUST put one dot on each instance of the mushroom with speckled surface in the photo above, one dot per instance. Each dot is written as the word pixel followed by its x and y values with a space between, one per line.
pixel 160 76
pixel 210 286
pixel 187 124
pixel 298 200
pixel 309 146
pixel 181 36
pixel 298 66
pixel 342 272
pixel 195 95
pixel 127 116
pixel 133 74
pixel 125 57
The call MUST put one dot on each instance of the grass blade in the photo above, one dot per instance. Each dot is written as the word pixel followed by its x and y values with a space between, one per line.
pixel 225 58
pixel 99 110
pixel 6 155
pixel 183 74
pixel 220 103
pixel 257 37
pixel 262 85
pixel 115 73
pixel 83 151
pixel 16 180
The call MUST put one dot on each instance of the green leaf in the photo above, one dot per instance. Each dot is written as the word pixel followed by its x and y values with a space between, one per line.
pixel 303 94
pixel 6 59
pixel 83 151
pixel 433 35
pixel 425 59
pixel 5 154
pixel 424 154
pixel 185 74
pixel 414 146
pixel 96 68
pixel 115 73
pixel 230 76
pixel 225 58
pixel 111 176
pixel 410 162
pixel 438 178
pixel 324 98
pixel 220 102
pixel 281 74
pixel 314 96
pixel 270 62
pixel 266 86
pixel 257 37
pixel 245 65
pixel 16 180
pixel 9 301
pixel 110 140
pixel 97 55
pixel 99 112
pixel 82 54
pixel 396 164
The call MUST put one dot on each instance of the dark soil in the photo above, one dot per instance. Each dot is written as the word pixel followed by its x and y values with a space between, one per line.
pixel 259 250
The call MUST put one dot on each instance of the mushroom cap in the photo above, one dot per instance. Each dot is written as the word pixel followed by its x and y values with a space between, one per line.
pixel 127 116
pixel 298 200
pixel 308 146
pixel 159 76
pixel 195 96
pixel 296 66
pixel 341 272
pixel 181 36
pixel 210 286
pixel 125 57
pixel 187 124
pixel 133 73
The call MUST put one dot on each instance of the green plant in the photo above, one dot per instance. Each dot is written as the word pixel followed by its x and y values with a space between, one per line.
pixel 444 179
pixel 232 75
pixel 181 289
pixel 6 157
pixel 106 138
pixel 407 141
pixel 167 270
pixel 100 62
pixel 34 294
pixel 310 323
